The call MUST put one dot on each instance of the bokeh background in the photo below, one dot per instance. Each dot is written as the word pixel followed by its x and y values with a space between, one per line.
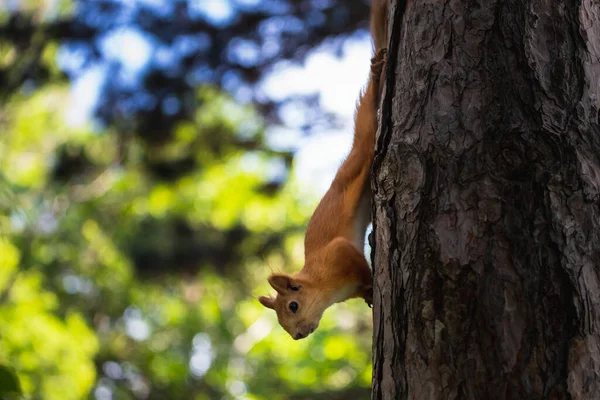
pixel 158 160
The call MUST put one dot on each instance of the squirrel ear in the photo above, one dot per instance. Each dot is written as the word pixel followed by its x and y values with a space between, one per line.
pixel 283 283
pixel 268 302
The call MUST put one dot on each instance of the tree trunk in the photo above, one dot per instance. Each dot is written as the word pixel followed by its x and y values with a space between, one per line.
pixel 487 202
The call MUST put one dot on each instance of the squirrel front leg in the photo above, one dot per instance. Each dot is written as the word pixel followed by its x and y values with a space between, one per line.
pixel 364 120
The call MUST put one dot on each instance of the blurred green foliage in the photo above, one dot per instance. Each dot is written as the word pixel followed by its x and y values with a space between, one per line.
pixel 78 314
pixel 129 268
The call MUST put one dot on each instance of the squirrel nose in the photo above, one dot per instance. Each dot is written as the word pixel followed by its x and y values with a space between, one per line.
pixel 298 336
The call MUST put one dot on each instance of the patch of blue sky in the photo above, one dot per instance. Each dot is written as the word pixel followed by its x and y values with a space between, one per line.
pixel 160 7
pixel 11 5
pixel 99 15
pixel 247 3
pixel 243 94
pixel 136 325
pixel 293 114
pixel 200 74
pixel 164 56
pixel 188 44
pixel 319 156
pixel 217 12
pixel 277 170
pixel 320 4
pixel 274 168
pixel 283 138
pixel 130 48
pixel 171 105
pixel 270 48
pixel 72 57
pixel 244 52
pixel 339 82
pixel 234 84
pixel 137 101
pixel 202 354
pixel 144 100
pixel 275 7
pixel 128 8
pixel 316 18
pixel 85 90
pixel 276 25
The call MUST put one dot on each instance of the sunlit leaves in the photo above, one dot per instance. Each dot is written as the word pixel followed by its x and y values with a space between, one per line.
pixel 9 259
pixel 221 111
pixel 111 268
pixel 8 53
pixel 34 129
pixel 45 10
pixel 161 200
pixel 33 338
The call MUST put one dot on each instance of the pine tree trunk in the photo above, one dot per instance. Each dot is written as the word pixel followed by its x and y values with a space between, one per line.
pixel 487 202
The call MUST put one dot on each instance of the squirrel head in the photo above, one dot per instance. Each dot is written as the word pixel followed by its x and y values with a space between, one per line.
pixel 298 305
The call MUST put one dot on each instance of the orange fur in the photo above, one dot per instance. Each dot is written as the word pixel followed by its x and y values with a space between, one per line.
pixel 335 268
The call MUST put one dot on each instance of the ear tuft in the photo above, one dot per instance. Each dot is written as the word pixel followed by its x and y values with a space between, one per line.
pixel 268 302
pixel 279 282
pixel 283 283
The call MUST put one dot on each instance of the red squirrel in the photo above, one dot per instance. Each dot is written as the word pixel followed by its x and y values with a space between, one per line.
pixel 335 268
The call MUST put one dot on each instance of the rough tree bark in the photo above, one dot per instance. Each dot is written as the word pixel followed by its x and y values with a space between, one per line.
pixel 487 202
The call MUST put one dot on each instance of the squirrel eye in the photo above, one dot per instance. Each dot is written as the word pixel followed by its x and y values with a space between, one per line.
pixel 294 306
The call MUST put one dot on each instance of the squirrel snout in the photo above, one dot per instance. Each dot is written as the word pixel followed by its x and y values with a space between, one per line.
pixel 302 333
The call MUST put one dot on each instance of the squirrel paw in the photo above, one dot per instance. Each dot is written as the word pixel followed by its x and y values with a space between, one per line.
pixel 368 295
pixel 378 70
pixel 378 61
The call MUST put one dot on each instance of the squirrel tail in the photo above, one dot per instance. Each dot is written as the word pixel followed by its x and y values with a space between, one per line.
pixel 379 22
